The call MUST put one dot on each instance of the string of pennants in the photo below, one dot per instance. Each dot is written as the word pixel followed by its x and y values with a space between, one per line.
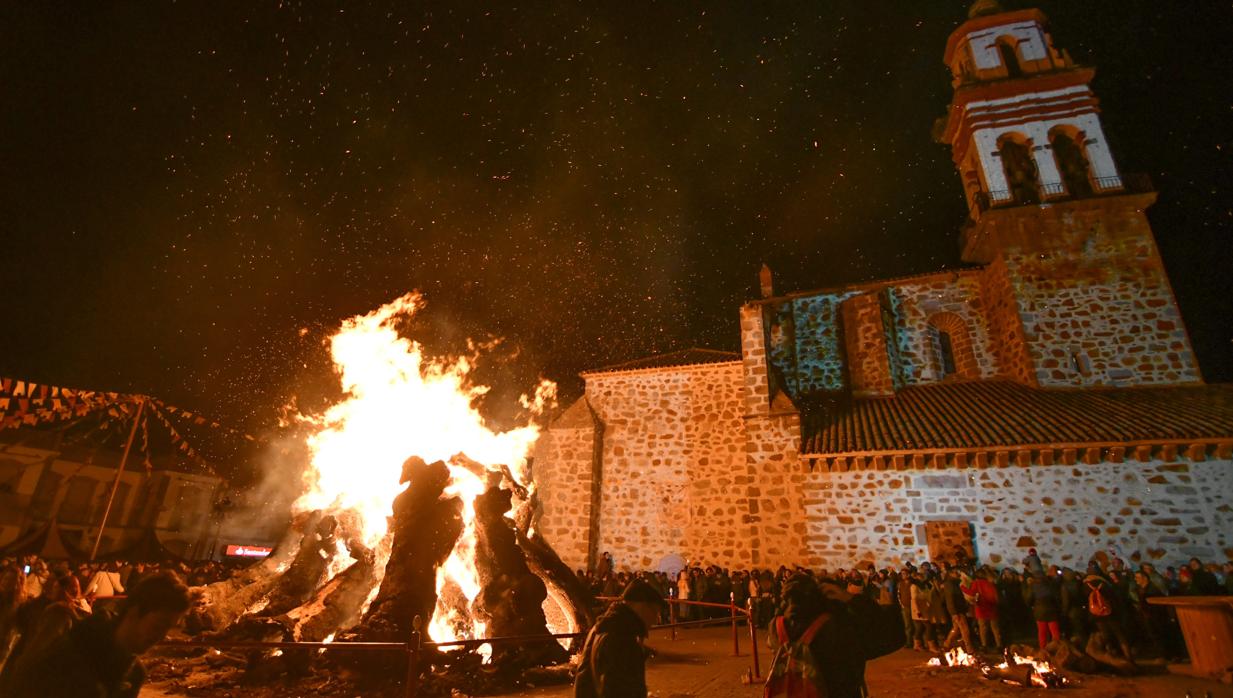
pixel 25 403
pixel 198 419
pixel 177 440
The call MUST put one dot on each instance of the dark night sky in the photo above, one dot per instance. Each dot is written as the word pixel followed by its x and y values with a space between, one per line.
pixel 187 185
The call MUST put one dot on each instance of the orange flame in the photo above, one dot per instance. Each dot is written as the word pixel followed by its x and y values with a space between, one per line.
pixel 397 403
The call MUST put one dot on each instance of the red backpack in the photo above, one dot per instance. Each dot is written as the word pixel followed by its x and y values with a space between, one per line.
pixel 1097 604
pixel 794 673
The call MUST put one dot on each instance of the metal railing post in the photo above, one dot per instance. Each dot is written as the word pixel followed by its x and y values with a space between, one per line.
pixel 672 613
pixel 736 636
pixel 753 638
pixel 411 687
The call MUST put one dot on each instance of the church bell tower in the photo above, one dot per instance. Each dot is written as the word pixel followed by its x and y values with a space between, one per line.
pixel 1076 284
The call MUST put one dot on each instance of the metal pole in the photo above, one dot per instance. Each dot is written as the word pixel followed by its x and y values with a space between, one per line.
pixel 672 613
pixel 412 681
pixel 753 638
pixel 115 485
pixel 736 636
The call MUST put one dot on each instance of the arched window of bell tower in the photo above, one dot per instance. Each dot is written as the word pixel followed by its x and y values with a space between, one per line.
pixel 1072 161
pixel 1022 178
pixel 1009 51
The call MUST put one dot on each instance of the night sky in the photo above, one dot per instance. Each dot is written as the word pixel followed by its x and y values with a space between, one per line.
pixel 195 194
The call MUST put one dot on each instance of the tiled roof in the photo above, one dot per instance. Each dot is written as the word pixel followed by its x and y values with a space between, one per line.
pixel 686 357
pixel 1001 413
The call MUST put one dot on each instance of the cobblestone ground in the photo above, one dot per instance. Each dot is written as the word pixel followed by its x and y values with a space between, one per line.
pixel 700 663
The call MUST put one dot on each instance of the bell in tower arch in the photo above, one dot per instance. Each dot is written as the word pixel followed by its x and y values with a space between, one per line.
pixel 1020 169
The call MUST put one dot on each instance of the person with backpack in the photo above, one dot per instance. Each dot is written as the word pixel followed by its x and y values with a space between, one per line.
pixel 823 638
pixel 1104 608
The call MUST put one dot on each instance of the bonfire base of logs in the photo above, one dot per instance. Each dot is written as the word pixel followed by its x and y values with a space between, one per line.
pixel 290 597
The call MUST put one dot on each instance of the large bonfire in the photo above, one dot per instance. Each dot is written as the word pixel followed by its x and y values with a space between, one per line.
pixel 416 514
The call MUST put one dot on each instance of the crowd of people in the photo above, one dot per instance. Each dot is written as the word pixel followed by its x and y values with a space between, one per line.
pixel 53 615
pixel 966 604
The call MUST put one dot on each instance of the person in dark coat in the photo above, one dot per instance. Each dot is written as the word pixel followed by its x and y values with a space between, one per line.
pixel 1202 582
pixel 958 610
pixel 1109 626
pixel 1041 593
pixel 613 662
pixel 98 657
pixel 1074 607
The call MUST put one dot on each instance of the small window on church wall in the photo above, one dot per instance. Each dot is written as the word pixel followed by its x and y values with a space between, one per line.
pixel 1080 362
pixel 946 352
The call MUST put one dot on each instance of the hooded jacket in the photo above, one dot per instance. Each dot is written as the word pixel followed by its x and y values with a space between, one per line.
pixel 613 658
pixel 84 663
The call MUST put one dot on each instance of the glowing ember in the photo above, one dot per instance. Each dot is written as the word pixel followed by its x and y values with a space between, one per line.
pixel 399 404
pixel 1017 670
pixel 1043 674
pixel 955 657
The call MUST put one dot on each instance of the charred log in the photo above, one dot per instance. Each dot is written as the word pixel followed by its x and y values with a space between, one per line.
pixel 511 598
pixel 574 598
pixel 425 529
pixel 336 606
pixel 570 593
pixel 216 606
pixel 307 571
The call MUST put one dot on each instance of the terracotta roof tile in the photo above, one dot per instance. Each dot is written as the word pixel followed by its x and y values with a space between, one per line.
pixel 1001 413
pixel 686 357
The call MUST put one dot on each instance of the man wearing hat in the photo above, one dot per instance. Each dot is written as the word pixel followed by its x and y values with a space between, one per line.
pixel 613 661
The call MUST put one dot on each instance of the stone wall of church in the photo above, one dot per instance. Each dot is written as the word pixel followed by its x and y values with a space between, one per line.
pixel 777 490
pixel 865 344
pixel 807 342
pixel 1095 303
pixel 673 447
pixel 1155 510
pixel 563 470
pixel 1005 327
pixel 918 303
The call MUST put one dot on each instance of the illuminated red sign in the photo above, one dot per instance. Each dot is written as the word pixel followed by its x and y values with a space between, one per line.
pixel 248 551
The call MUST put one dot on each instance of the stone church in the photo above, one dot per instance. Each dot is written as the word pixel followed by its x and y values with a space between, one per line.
pixel 1046 395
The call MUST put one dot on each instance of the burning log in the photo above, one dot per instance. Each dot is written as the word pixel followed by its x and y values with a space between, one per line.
pixel 218 605
pixel 425 529
pixel 1019 674
pixel 337 605
pixel 566 590
pixel 512 596
pixel 307 570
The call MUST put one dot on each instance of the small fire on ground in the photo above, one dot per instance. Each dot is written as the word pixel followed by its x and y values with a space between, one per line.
pixel 1014 669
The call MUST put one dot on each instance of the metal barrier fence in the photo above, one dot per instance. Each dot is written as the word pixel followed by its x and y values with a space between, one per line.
pixel 736 614
pixel 413 648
